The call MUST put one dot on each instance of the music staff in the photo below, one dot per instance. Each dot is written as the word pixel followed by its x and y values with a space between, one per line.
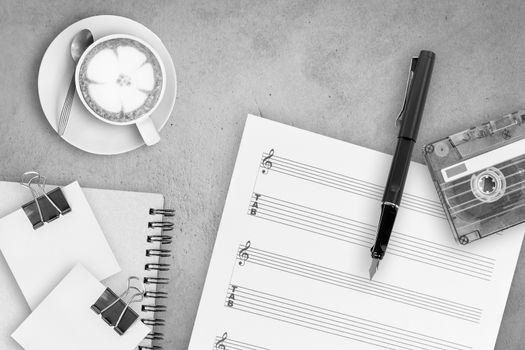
pixel 331 322
pixel 348 184
pixel 323 274
pixel 315 221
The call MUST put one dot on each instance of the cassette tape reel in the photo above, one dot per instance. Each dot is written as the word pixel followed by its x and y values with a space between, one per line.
pixel 479 175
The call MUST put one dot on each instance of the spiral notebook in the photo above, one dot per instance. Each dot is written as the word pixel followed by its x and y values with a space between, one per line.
pixel 137 232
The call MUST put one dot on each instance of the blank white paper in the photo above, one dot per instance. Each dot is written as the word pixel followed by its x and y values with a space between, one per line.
pixel 290 265
pixel 40 258
pixel 65 321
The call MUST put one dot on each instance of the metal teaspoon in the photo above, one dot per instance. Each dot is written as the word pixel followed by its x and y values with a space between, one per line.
pixel 79 44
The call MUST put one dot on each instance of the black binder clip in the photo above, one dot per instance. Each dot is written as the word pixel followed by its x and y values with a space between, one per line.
pixel 46 207
pixel 114 311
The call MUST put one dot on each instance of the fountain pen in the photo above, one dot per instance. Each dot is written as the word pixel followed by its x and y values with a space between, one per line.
pixel 409 119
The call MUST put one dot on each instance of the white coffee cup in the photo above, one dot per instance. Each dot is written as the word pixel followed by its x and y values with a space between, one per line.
pixel 121 79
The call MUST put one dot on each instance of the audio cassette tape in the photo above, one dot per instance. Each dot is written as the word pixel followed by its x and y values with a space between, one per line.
pixel 479 175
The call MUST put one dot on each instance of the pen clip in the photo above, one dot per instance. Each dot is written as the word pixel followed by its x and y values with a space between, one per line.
pixel 411 70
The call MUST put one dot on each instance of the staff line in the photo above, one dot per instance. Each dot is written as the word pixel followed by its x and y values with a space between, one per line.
pixel 436 214
pixel 376 324
pixel 376 194
pixel 277 258
pixel 337 319
pixel 371 184
pixel 367 246
pixel 399 241
pixel 392 247
pixel 371 291
pixel 456 250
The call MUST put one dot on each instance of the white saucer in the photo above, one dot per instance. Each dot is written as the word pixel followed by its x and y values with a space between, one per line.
pixel 84 131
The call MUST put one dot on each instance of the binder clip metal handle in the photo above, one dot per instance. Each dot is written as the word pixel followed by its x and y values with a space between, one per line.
pixel 117 313
pixel 46 207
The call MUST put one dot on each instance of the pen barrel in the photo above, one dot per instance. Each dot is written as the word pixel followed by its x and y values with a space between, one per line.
pixel 415 103
pixel 395 183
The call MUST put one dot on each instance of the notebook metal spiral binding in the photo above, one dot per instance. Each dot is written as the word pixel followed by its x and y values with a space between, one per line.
pixel 164 225
pixel 156 322
pixel 156 295
pixel 164 212
pixel 163 253
pixel 160 241
pixel 159 238
pixel 155 336
pixel 157 267
pixel 156 280
pixel 154 308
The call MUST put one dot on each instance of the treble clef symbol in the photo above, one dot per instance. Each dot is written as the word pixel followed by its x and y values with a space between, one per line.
pixel 219 344
pixel 267 163
pixel 243 255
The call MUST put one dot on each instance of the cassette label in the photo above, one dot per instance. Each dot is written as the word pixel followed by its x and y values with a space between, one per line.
pixel 483 161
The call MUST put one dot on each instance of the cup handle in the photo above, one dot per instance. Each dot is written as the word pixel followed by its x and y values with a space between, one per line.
pixel 148 131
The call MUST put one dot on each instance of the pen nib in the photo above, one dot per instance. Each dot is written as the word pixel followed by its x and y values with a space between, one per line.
pixel 373 267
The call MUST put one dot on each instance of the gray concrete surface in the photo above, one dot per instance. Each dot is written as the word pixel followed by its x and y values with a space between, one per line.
pixel 333 67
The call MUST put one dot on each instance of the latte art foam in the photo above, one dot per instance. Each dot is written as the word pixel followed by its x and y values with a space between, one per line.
pixel 120 80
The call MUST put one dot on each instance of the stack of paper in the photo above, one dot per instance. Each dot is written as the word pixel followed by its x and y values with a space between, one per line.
pixel 57 268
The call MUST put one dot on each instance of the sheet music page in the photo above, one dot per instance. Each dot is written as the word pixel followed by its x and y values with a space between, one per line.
pixel 290 264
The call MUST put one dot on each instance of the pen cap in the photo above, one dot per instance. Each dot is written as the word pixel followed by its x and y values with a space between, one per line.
pixel 417 94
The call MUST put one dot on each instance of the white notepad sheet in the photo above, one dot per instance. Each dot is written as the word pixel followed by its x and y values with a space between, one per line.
pixel 290 265
pixel 40 258
pixel 65 321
